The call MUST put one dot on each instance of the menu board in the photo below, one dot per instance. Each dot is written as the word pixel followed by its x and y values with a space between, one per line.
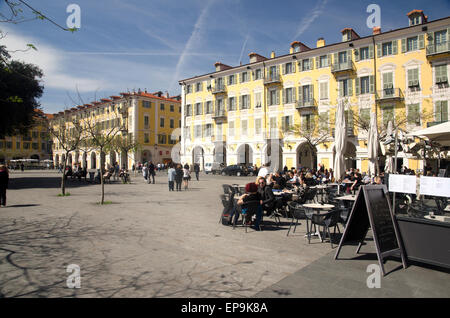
pixel 372 209
pixel 402 183
pixel 435 186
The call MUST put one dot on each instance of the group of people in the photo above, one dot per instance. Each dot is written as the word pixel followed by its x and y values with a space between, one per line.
pixel 139 167
pixel 178 174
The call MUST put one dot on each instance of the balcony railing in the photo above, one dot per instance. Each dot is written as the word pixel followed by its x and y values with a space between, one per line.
pixel 433 49
pixel 219 89
pixel 305 104
pixel 220 113
pixel 272 78
pixel 343 66
pixel 389 94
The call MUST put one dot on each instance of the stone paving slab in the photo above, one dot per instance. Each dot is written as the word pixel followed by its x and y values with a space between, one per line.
pixel 347 278
pixel 148 243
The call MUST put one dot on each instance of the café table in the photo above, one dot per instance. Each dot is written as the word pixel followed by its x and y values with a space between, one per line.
pixel 350 197
pixel 317 207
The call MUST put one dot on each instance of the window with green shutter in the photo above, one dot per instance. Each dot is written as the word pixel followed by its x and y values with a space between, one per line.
pixel 364 115
pixel 323 121
pixel 414 114
pixel 388 115
pixel 440 74
pixel 413 78
pixel 441 113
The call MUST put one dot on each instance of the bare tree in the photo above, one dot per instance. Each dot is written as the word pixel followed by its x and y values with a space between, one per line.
pixel 124 144
pixel 101 137
pixel 69 135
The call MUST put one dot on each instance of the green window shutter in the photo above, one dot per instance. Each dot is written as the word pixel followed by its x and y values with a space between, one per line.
pixel 328 59
pixel 335 58
pixel 349 55
pixel 403 45
pixel 240 102
pixel 350 87
pixel 421 41
pixel 438 112
pixel 444 110
pixel 410 78
pixel 300 93
pixel 293 95
pixel 371 51
pixel 284 68
pixel 311 63
pixel 379 52
pixel 278 97
pixel 394 47
pixel 357 91
pixel 278 69
pixel 341 88
pixel 371 84
pixel 268 98
pixel 284 95
pixel 311 92
pixel 318 62
pixel 293 67
pixel 356 53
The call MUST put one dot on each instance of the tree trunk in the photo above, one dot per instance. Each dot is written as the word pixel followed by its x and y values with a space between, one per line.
pixel 103 186
pixel 63 182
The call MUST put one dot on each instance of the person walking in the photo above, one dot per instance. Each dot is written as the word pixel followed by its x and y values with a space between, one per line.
pixel 196 170
pixel 22 167
pixel 186 176
pixel 171 173
pixel 145 173
pixel 151 172
pixel 4 180
pixel 178 176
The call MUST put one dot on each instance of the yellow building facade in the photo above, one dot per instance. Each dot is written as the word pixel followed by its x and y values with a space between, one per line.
pixel 35 144
pixel 246 114
pixel 150 119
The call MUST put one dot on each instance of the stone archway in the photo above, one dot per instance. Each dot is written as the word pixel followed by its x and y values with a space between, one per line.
pixel 306 156
pixel 273 155
pixel 245 154
pixel 198 156
pixel 93 160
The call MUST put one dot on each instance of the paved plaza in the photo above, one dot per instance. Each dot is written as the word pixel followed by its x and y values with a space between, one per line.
pixel 149 242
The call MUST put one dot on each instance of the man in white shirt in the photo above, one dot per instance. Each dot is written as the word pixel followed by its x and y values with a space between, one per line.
pixel 263 171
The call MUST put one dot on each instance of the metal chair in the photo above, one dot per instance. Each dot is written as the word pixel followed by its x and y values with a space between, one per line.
pixel 326 220
pixel 298 212
pixel 243 210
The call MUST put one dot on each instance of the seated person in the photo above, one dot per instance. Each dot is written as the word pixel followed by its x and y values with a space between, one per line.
pixel 357 182
pixel 251 202
pixel 266 195
pixel 280 182
pixel 293 179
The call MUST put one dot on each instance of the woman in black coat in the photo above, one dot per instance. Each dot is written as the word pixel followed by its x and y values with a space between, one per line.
pixel 4 180
pixel 178 176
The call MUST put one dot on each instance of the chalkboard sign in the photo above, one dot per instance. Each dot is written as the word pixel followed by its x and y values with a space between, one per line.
pixel 372 209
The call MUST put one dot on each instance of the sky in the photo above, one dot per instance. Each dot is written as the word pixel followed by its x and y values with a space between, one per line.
pixel 126 45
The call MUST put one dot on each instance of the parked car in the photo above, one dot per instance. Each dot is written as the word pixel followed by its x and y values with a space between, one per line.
pixel 213 167
pixel 236 170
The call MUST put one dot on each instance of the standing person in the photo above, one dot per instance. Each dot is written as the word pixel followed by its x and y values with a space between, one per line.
pixel 151 172
pixel 186 176
pixel 4 180
pixel 263 171
pixel 266 195
pixel 145 173
pixel 171 173
pixel 22 167
pixel 178 176
pixel 196 170
pixel 116 171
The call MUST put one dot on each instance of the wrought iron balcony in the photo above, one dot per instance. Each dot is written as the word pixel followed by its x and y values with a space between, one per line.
pixel 389 94
pixel 219 114
pixel 341 67
pixel 306 104
pixel 440 48
pixel 219 89
pixel 272 78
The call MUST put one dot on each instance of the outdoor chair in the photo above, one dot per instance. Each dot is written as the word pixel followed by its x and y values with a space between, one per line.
pixel 242 210
pixel 298 212
pixel 326 220
pixel 310 195
pixel 343 215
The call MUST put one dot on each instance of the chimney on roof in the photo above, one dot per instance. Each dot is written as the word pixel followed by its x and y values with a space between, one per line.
pixel 255 57
pixel 320 42
pixel 376 30
pixel 221 67
pixel 167 94
pixel 272 55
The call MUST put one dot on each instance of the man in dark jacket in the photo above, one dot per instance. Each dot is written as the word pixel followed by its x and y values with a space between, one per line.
pixel 266 194
pixel 4 180
pixel 196 170
pixel 151 171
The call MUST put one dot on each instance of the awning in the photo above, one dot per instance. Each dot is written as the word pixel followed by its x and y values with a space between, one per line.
pixel 439 133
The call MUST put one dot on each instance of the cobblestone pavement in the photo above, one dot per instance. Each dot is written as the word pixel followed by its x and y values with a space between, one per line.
pixel 148 242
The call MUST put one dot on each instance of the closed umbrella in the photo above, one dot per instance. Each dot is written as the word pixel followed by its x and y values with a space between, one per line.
pixel 389 165
pixel 340 141
pixel 372 145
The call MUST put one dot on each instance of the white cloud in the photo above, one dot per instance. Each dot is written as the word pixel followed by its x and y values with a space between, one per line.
pixel 52 62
